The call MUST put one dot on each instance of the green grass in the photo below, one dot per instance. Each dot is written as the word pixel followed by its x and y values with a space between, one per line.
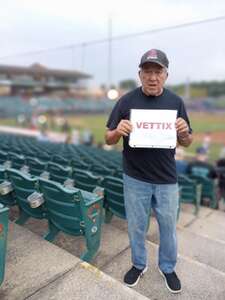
pixel 202 122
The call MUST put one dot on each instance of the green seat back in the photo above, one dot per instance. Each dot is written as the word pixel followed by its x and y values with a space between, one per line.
pixel 101 170
pixel 4 211
pixel 208 188
pixel 79 164
pixel 58 159
pixel 190 191
pixel 3 156
pixel 114 200
pixel 63 206
pixel 85 180
pixel 8 199
pixel 17 161
pixel 59 173
pixel 36 166
pixel 24 186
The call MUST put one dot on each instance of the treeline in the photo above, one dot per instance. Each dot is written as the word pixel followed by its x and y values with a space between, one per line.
pixel 196 89
pixel 203 88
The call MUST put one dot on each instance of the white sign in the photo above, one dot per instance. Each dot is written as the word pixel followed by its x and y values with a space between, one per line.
pixel 153 128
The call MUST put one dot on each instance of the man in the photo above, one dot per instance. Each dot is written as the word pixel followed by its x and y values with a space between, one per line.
pixel 150 179
pixel 200 165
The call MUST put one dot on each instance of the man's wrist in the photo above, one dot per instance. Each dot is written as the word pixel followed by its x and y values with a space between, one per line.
pixel 183 136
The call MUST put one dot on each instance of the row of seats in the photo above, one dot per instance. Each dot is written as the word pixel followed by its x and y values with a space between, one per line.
pixel 198 190
pixel 70 210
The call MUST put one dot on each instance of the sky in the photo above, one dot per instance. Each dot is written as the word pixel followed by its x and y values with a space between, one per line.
pixel 195 53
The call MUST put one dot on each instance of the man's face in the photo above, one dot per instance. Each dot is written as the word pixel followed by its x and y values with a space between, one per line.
pixel 152 77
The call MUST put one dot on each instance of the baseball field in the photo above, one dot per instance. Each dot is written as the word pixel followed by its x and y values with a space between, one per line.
pixel 201 123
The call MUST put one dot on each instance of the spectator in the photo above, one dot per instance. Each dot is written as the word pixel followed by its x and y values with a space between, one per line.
pixel 200 166
pixel 181 163
pixel 207 141
pixel 87 137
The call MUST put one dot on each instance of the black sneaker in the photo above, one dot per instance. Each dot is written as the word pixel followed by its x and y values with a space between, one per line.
pixel 172 282
pixel 133 275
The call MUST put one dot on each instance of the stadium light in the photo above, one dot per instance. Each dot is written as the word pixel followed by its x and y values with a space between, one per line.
pixel 112 94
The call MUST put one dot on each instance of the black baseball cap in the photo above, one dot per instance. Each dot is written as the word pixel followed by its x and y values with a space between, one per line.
pixel 155 56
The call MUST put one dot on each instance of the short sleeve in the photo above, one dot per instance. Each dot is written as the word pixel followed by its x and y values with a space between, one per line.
pixel 115 116
pixel 182 113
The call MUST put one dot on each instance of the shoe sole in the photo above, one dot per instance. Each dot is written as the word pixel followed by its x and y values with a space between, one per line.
pixel 136 282
pixel 172 291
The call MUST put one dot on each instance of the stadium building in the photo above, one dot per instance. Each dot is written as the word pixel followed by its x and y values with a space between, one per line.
pixel 38 79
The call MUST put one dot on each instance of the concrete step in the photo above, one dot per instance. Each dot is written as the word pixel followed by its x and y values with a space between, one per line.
pixel 198 280
pixel 189 208
pixel 198 247
pixel 37 269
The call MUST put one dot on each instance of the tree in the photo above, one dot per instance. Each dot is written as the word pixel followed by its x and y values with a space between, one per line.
pixel 128 84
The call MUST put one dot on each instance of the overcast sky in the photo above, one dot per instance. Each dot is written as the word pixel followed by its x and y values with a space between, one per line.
pixel 196 52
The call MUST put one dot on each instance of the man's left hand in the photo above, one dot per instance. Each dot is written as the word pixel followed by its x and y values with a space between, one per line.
pixel 182 128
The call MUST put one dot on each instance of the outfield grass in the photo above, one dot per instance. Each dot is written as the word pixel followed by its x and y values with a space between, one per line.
pixel 201 122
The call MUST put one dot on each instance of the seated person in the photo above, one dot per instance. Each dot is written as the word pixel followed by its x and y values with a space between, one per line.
pixel 221 175
pixel 181 163
pixel 200 166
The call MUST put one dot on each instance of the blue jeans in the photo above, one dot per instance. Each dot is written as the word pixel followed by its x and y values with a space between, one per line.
pixel 139 201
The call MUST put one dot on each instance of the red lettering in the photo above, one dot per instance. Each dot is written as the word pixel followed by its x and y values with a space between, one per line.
pixel 168 125
pixel 145 125
pixel 139 124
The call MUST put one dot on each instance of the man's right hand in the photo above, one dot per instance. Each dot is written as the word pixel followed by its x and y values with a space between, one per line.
pixel 124 128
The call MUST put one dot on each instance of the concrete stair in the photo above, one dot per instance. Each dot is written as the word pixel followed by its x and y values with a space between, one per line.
pixel 201 262
pixel 37 269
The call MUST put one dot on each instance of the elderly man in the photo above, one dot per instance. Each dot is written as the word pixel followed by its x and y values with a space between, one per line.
pixel 150 179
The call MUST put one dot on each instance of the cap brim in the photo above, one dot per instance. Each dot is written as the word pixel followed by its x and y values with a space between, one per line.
pixel 152 61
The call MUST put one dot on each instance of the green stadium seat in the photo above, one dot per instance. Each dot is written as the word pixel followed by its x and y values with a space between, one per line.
pixel 59 173
pixel 3 157
pixel 36 167
pixel 4 216
pixel 75 212
pixel 17 161
pixel 7 196
pixel 85 180
pixel 76 163
pixel 114 200
pixel 209 190
pixel 101 170
pixel 58 159
pixel 190 192
pixel 24 186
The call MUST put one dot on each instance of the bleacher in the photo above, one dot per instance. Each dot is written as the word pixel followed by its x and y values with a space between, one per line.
pixel 67 186
pixel 85 168
pixel 13 106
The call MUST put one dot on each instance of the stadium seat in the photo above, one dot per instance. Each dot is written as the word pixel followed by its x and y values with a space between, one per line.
pixel 209 190
pixel 74 212
pixel 24 186
pixel 59 173
pixel 85 180
pixel 114 200
pixel 101 170
pixel 7 196
pixel 17 161
pixel 4 216
pixel 58 159
pixel 190 192
pixel 36 167
pixel 3 157
pixel 77 163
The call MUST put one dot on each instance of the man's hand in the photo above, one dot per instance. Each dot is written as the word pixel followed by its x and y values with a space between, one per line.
pixel 184 137
pixel 182 128
pixel 124 128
